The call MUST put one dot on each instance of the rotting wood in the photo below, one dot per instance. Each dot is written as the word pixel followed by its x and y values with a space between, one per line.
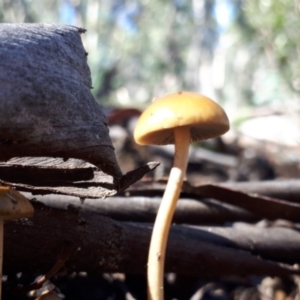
pixel 282 189
pixel 100 186
pixel 46 107
pixel 260 205
pixel 278 242
pixel 266 207
pixel 144 209
pixel 106 245
pixel 288 189
pixel 47 171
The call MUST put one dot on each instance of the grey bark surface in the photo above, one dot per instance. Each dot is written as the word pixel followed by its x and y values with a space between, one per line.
pixel 73 177
pixel 46 107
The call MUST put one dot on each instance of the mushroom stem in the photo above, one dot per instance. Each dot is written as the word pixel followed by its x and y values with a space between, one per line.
pixel 156 258
pixel 1 255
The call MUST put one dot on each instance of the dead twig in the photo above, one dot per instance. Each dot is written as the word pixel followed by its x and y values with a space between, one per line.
pixel 62 257
pixel 263 206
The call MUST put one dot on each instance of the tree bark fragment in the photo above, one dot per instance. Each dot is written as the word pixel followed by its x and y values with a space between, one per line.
pixel 144 209
pixel 55 179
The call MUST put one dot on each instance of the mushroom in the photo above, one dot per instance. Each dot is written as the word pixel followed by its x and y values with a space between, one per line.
pixel 13 205
pixel 179 118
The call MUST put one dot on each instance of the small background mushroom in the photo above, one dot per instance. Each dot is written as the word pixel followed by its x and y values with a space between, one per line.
pixel 13 205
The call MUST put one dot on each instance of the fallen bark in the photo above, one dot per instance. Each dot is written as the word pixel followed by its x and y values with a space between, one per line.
pixel 103 245
pixel 275 243
pixel 288 190
pixel 268 241
pixel 282 189
pixel 266 207
pixel 260 205
pixel 47 171
pixel 144 209
pixel 73 177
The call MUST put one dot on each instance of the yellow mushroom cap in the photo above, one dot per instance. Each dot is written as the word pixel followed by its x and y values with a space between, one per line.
pixel 205 118
pixel 13 205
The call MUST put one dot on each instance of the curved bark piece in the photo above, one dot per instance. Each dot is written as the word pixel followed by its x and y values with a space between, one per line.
pixel 49 176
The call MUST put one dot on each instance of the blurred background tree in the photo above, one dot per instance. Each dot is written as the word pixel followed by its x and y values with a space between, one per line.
pixel 243 53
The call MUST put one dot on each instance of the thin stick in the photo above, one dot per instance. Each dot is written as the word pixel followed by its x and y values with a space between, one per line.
pixel 156 258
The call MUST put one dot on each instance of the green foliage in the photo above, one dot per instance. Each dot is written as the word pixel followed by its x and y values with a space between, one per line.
pixel 266 33
pixel 149 57
pixel 277 25
pixel 139 49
